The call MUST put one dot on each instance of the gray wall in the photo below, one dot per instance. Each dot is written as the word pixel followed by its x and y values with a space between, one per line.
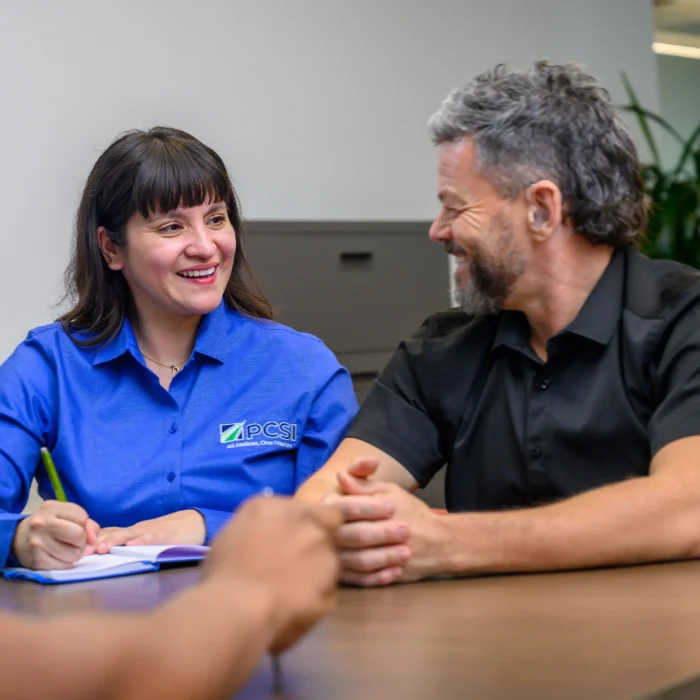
pixel 318 107
pixel 679 100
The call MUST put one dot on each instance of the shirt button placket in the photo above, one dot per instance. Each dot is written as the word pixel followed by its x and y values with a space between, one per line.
pixel 538 420
pixel 174 456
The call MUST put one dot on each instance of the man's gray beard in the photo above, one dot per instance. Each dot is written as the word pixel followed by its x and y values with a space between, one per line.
pixel 490 283
pixel 474 302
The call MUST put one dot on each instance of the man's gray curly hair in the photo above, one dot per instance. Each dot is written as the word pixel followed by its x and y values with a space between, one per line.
pixel 552 122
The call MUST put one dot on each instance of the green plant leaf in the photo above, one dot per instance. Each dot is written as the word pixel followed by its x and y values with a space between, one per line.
pixel 641 118
pixel 678 238
pixel 673 225
pixel 655 118
pixel 687 151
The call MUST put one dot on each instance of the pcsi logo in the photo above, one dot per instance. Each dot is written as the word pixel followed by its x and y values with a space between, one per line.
pixel 245 434
pixel 230 432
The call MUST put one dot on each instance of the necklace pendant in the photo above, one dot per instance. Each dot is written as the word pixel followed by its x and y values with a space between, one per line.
pixel 175 369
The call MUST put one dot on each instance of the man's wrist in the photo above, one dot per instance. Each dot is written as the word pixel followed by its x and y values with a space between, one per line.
pixel 474 543
pixel 453 558
pixel 317 489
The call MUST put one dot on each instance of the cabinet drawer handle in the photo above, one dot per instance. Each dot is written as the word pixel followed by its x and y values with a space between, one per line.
pixel 356 257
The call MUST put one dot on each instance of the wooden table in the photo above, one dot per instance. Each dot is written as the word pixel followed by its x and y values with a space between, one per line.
pixel 618 633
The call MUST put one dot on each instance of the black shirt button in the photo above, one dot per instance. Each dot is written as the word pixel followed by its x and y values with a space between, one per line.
pixel 173 427
pixel 171 476
pixel 535 453
pixel 544 384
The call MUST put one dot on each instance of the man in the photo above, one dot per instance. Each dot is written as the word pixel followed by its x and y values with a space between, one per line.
pixel 564 396
pixel 269 577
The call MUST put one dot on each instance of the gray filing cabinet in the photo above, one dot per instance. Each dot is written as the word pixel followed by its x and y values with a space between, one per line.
pixel 359 286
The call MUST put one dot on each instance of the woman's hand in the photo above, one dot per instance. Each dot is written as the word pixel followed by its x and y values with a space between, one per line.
pixel 183 527
pixel 54 537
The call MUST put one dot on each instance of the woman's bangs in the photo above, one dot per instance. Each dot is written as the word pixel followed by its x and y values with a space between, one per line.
pixel 169 180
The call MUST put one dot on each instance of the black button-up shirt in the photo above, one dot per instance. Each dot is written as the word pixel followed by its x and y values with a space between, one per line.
pixel 620 382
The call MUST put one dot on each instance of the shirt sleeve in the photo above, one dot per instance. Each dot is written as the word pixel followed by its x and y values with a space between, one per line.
pixel 396 418
pixel 677 380
pixel 27 391
pixel 333 407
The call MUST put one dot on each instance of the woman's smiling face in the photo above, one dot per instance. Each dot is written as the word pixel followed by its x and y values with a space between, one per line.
pixel 177 262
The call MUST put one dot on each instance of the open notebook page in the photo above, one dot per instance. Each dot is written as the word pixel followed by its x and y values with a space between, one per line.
pixel 91 565
pixel 162 552
pixel 121 560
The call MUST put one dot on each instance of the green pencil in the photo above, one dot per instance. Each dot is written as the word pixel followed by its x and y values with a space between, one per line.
pixel 53 475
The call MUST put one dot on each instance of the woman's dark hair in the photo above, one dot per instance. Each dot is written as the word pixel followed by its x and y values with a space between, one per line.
pixel 146 171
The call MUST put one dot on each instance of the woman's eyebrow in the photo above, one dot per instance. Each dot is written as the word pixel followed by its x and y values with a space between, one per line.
pixel 219 206
pixel 165 215
pixel 180 211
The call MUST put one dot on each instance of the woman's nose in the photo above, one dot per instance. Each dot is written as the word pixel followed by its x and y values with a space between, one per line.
pixel 201 244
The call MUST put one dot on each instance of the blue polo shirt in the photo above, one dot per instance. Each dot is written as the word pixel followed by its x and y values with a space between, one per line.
pixel 258 405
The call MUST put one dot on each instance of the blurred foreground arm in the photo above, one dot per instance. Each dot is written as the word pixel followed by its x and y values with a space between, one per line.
pixel 270 576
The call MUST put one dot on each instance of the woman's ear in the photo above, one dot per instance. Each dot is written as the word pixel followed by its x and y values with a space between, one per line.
pixel 544 208
pixel 111 252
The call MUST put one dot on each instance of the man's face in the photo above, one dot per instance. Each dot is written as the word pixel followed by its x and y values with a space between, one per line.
pixel 482 230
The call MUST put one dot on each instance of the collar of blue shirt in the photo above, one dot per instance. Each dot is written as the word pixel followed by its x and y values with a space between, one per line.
pixel 211 339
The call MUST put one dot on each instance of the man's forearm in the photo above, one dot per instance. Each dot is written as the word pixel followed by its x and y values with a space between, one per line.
pixel 202 644
pixel 317 488
pixel 364 460
pixel 640 520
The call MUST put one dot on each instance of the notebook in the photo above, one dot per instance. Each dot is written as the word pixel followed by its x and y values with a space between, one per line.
pixel 121 561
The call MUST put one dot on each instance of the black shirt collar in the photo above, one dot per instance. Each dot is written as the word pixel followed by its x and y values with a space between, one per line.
pixel 513 331
pixel 596 320
pixel 601 312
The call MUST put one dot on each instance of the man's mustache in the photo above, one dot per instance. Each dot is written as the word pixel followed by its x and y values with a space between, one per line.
pixel 451 248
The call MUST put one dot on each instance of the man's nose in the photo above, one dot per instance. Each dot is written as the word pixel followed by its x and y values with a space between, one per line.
pixel 439 231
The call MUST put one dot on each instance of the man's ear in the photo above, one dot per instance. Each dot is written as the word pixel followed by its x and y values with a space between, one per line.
pixel 111 252
pixel 544 203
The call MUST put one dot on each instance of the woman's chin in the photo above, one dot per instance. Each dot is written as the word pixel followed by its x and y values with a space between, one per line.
pixel 200 306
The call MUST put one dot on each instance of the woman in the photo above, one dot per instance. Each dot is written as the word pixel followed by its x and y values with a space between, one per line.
pixel 166 395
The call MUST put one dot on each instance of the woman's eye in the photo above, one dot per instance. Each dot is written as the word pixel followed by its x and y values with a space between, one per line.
pixel 170 228
pixel 217 220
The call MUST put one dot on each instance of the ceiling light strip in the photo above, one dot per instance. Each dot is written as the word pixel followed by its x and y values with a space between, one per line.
pixel 676 50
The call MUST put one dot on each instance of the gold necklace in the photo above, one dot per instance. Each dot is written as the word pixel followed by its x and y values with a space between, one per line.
pixel 175 368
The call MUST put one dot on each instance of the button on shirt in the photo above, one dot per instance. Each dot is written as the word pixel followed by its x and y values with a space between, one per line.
pixel 258 406
pixel 619 383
